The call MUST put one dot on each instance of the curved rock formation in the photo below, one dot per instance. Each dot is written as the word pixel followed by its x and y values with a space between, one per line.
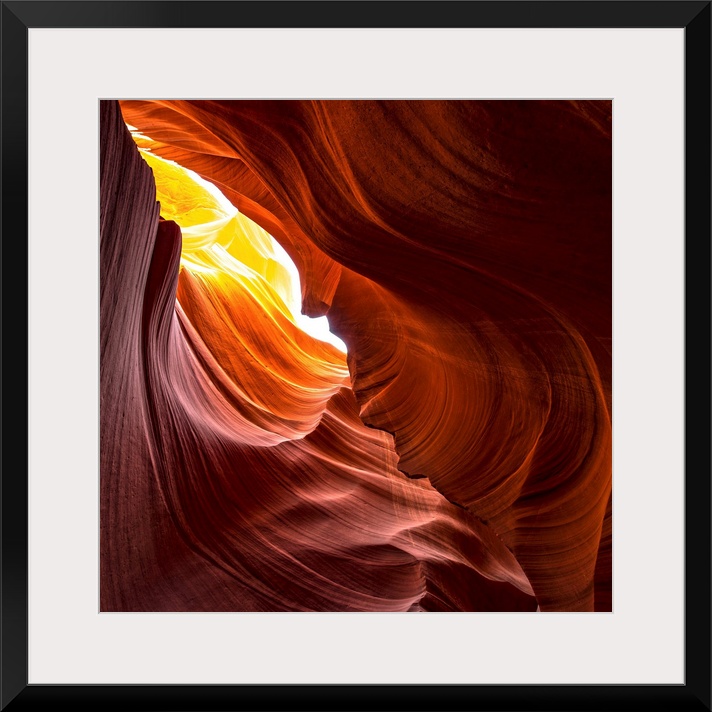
pixel 463 462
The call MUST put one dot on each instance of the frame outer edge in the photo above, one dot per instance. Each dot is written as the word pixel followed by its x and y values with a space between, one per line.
pixel 13 587
pixel 697 354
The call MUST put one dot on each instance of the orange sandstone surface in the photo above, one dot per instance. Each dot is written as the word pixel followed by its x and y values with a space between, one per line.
pixel 457 457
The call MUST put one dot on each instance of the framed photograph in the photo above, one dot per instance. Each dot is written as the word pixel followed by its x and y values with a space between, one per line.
pixel 328 319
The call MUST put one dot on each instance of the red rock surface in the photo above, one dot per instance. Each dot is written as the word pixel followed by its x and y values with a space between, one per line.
pixel 462 250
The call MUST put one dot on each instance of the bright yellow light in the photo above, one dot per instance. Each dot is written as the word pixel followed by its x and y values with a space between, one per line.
pixel 219 240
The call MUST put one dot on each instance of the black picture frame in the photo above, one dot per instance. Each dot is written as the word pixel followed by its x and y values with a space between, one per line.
pixel 18 17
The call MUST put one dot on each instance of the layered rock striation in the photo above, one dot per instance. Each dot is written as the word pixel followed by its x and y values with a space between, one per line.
pixel 459 458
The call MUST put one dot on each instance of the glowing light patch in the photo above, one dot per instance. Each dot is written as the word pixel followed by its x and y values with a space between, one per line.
pixel 217 238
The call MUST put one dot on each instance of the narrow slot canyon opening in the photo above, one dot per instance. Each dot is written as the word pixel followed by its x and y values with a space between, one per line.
pixel 218 237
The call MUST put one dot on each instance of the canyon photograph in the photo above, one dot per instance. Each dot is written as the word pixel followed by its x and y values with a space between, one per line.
pixel 355 355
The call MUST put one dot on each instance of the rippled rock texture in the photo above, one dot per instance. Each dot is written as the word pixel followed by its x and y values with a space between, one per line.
pixel 458 459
